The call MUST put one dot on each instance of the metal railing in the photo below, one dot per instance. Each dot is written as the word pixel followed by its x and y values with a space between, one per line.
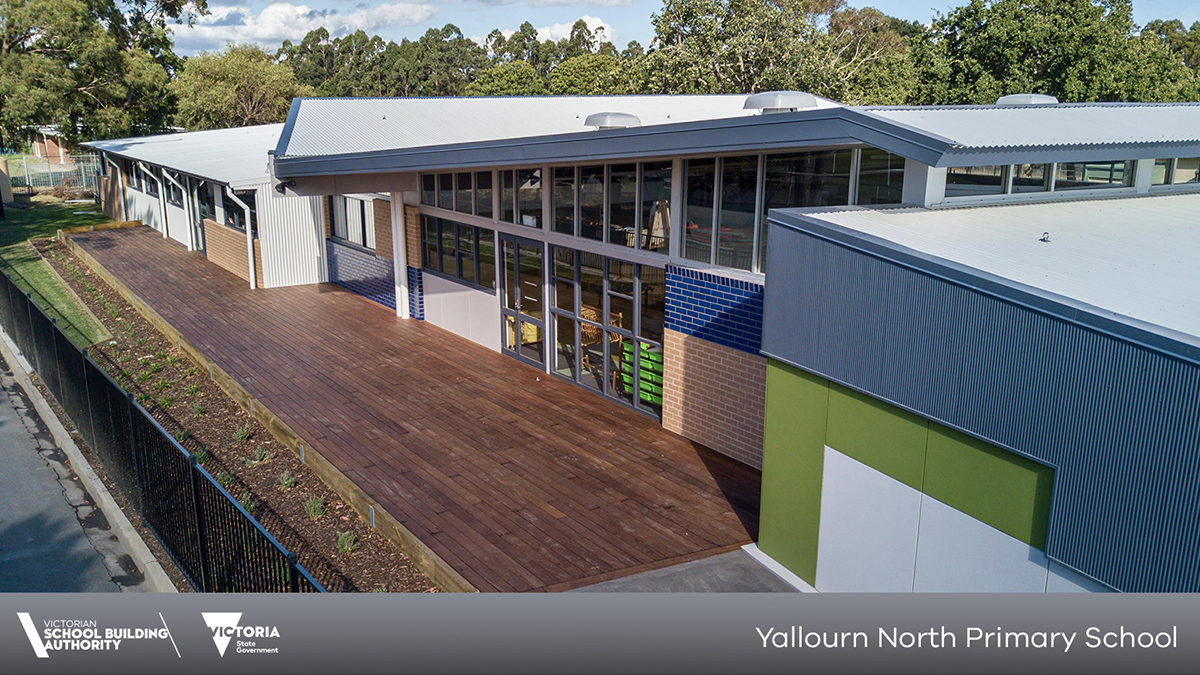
pixel 35 174
pixel 215 542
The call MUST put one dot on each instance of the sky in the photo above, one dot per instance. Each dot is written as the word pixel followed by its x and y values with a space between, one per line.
pixel 270 22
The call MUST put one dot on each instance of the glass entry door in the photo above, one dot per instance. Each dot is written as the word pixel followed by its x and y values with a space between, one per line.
pixel 521 311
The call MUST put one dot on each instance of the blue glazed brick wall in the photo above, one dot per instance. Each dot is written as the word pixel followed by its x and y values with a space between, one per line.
pixel 362 272
pixel 712 307
pixel 416 294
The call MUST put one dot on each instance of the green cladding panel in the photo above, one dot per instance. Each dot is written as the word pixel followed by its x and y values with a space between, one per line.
pixel 1003 489
pixel 879 435
pixel 793 459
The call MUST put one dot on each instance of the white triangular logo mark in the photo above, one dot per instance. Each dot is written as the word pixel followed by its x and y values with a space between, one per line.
pixel 219 620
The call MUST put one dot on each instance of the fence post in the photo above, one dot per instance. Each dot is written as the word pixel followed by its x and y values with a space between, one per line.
pixel 135 454
pixel 28 185
pixel 194 469
pixel 293 574
pixel 35 362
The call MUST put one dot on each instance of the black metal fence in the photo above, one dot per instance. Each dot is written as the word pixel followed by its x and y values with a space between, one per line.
pixel 217 544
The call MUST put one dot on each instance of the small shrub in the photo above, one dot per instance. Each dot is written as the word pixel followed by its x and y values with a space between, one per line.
pixel 161 386
pixel 141 341
pixel 141 397
pixel 202 455
pixel 90 288
pixel 114 313
pixel 191 390
pixel 182 435
pixel 172 359
pixel 241 433
pixel 346 543
pixel 248 502
pixel 198 409
pixel 124 375
pixel 287 480
pixel 379 589
pixel 161 355
pixel 225 479
pixel 315 507
pixel 262 455
pixel 191 371
pixel 156 367
pixel 166 402
pixel 144 376
pixel 124 358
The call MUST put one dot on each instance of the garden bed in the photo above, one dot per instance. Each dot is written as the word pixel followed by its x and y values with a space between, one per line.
pixel 290 501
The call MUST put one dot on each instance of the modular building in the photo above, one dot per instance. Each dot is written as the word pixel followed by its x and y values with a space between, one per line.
pixel 916 437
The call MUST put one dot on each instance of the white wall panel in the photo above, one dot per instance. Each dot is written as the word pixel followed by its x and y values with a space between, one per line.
pixel 177 224
pixel 292 237
pixel 868 534
pixel 469 312
pixel 959 554
pixel 143 207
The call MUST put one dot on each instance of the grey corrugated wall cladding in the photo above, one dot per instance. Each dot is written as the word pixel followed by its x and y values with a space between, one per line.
pixel 1119 421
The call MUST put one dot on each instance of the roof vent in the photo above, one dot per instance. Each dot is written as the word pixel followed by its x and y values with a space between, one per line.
pixel 1027 99
pixel 612 120
pixel 780 101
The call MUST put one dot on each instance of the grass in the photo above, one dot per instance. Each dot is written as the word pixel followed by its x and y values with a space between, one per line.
pixel 34 275
pixel 315 507
pixel 45 216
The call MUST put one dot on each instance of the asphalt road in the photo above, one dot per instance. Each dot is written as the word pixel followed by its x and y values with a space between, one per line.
pixel 46 515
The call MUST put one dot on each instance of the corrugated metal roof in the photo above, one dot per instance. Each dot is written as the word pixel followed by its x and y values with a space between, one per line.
pixel 232 156
pixel 1133 257
pixel 1063 125
pixel 332 126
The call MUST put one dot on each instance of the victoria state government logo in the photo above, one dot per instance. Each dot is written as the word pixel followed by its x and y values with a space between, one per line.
pixel 226 627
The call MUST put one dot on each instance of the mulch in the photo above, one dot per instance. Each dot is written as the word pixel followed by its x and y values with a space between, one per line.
pixel 236 449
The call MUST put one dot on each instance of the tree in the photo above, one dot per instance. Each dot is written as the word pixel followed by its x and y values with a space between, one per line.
pixel 314 61
pixel 95 68
pixel 514 78
pixel 444 62
pixel 587 75
pixel 239 86
pixel 1077 50
pixel 1183 42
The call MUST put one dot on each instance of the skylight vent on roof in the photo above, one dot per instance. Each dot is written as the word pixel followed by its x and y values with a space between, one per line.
pixel 612 120
pixel 1027 99
pixel 780 101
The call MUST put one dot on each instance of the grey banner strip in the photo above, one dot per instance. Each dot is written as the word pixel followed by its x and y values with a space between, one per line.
pixel 593 633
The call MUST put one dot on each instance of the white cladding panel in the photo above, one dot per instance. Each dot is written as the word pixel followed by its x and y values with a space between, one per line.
pixel 463 310
pixel 143 207
pixel 177 223
pixel 292 238
pixel 868 534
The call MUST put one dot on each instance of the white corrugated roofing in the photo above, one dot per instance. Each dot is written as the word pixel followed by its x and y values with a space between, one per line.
pixel 1052 125
pixel 331 126
pixel 1135 257
pixel 233 156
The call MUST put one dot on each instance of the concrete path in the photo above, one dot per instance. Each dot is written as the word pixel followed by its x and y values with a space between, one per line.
pixel 733 572
pixel 52 536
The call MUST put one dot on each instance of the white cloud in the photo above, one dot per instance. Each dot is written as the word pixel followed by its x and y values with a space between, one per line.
pixel 285 21
pixel 597 3
pixel 562 30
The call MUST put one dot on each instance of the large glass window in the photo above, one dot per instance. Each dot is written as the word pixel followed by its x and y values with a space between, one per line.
pixel 655 229
pixel 1030 178
pixel 173 192
pixel 622 204
pixel 508 198
pixel 591 202
pixel 235 215
pixel 206 206
pixel 464 193
pixel 483 194
pixel 880 177
pixel 1092 175
pixel 562 200
pixel 458 250
pixel 735 235
pixel 1176 171
pixel 607 317
pixel 445 191
pixel 353 220
pixel 149 181
pixel 970 181
pixel 529 197
pixel 429 189
pixel 803 179
pixel 700 196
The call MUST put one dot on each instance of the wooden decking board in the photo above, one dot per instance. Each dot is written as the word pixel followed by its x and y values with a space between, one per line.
pixel 518 480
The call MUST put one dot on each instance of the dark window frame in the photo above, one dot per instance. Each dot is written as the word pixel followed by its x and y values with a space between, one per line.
pixel 476 234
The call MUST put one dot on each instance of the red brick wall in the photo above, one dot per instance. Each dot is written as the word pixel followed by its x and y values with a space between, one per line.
pixel 226 247
pixel 383 229
pixel 326 217
pixel 715 395
pixel 412 235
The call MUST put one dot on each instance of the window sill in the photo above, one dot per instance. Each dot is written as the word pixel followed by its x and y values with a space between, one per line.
pixel 351 245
